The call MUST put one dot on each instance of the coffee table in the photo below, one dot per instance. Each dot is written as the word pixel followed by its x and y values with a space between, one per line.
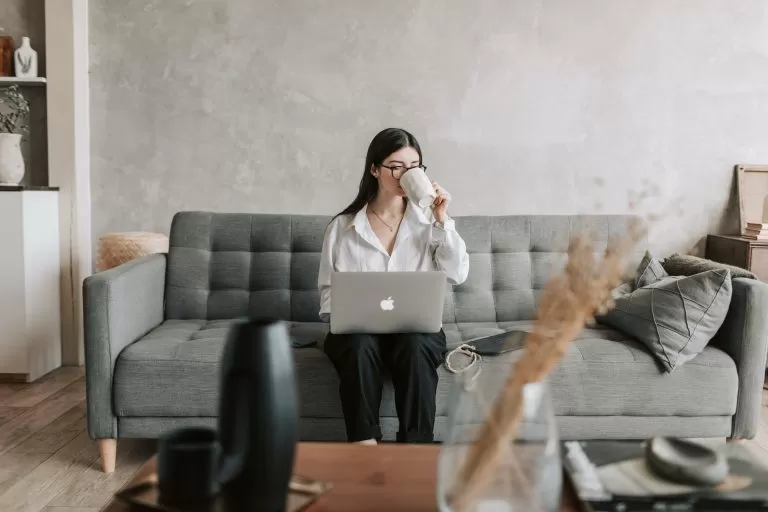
pixel 373 478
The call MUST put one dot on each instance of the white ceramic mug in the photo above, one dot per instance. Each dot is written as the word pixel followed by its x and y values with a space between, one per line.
pixel 418 188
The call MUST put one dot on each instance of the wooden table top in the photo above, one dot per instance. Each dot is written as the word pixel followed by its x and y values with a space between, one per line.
pixel 365 478
pixel 741 238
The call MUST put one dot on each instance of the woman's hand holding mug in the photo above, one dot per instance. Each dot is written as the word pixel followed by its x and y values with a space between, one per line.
pixel 440 204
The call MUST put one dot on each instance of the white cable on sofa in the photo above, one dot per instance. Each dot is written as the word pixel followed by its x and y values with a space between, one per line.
pixel 474 359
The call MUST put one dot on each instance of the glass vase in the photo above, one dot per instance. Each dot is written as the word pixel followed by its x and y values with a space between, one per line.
pixel 528 477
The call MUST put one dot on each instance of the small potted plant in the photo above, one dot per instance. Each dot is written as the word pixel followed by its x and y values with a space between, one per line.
pixel 14 112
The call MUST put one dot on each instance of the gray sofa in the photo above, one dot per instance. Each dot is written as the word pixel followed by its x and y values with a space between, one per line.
pixel 155 329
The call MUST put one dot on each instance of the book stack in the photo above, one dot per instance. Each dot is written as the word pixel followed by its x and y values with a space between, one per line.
pixel 756 231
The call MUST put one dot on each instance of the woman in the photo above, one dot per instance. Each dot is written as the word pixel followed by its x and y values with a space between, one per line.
pixel 382 231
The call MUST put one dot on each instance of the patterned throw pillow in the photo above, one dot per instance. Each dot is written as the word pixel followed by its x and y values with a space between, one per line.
pixel 674 316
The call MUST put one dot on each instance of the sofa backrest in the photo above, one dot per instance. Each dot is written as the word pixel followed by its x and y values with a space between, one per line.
pixel 223 265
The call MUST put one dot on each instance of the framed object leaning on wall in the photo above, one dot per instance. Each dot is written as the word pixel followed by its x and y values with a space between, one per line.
pixel 752 190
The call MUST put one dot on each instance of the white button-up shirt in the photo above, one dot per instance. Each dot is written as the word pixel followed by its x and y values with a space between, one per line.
pixel 350 245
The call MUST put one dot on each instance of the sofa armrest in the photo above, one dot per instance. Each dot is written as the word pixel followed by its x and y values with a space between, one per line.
pixel 744 336
pixel 120 305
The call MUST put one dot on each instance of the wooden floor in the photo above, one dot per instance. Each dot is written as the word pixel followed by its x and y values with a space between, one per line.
pixel 48 463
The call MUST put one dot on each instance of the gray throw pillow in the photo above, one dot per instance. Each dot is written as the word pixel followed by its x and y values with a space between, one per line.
pixel 649 271
pixel 687 265
pixel 674 316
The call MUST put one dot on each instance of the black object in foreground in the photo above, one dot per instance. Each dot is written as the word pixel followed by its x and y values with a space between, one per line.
pixel 248 463
pixel 258 416
pixel 187 465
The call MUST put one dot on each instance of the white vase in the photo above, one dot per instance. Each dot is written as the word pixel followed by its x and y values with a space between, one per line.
pixel 11 159
pixel 25 60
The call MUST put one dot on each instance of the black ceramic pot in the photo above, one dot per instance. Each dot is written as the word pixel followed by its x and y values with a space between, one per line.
pixel 258 416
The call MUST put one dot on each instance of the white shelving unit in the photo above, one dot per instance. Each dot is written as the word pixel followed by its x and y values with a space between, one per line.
pixel 39 81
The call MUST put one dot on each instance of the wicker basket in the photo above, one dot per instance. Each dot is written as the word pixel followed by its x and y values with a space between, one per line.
pixel 117 248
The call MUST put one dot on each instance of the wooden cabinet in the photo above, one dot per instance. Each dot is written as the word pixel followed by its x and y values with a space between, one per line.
pixel 740 252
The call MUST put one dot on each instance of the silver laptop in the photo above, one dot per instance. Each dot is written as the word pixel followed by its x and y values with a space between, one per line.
pixel 387 302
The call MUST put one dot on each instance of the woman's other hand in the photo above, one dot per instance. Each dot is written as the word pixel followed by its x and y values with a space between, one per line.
pixel 440 204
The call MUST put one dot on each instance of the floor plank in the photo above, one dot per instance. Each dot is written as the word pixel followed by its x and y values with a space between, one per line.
pixel 56 434
pixel 16 466
pixel 46 444
pixel 74 392
pixel 97 489
pixel 31 421
pixel 73 419
pixel 48 385
pixel 8 413
pixel 8 391
pixel 63 469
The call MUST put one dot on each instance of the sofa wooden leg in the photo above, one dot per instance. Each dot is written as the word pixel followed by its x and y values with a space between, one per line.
pixel 736 440
pixel 108 454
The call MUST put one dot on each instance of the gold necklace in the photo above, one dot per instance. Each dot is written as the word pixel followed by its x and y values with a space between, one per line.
pixel 391 229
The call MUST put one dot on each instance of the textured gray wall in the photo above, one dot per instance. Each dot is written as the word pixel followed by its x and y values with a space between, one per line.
pixel 19 18
pixel 525 106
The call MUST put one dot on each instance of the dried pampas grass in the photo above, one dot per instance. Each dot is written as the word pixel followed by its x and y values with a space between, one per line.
pixel 569 301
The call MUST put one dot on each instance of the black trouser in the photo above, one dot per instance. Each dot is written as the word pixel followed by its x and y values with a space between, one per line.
pixel 412 361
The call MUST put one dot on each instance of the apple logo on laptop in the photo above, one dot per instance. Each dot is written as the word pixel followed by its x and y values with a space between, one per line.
pixel 387 304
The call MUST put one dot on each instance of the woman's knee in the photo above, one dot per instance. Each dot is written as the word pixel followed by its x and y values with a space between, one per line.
pixel 364 346
pixel 419 347
pixel 352 346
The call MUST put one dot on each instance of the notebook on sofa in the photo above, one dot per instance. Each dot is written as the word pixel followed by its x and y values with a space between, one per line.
pixel 497 344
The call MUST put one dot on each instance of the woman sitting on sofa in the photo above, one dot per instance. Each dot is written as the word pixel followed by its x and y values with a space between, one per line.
pixel 364 237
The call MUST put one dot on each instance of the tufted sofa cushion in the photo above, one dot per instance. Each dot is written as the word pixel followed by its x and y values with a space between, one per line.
pixel 224 266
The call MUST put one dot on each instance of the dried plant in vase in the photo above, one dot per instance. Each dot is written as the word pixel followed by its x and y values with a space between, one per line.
pixel 14 113
pixel 14 110
pixel 569 301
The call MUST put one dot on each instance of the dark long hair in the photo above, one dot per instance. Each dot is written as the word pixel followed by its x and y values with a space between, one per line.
pixel 383 144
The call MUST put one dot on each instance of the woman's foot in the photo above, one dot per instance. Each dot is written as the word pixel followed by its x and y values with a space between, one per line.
pixel 369 442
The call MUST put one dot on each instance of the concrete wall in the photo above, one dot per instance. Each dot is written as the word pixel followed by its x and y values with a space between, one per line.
pixel 19 18
pixel 526 106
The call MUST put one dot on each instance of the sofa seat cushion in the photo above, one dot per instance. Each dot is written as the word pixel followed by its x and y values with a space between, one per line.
pixel 607 373
pixel 173 371
pixel 604 373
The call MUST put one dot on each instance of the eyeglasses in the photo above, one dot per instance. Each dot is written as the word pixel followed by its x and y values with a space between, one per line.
pixel 398 170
